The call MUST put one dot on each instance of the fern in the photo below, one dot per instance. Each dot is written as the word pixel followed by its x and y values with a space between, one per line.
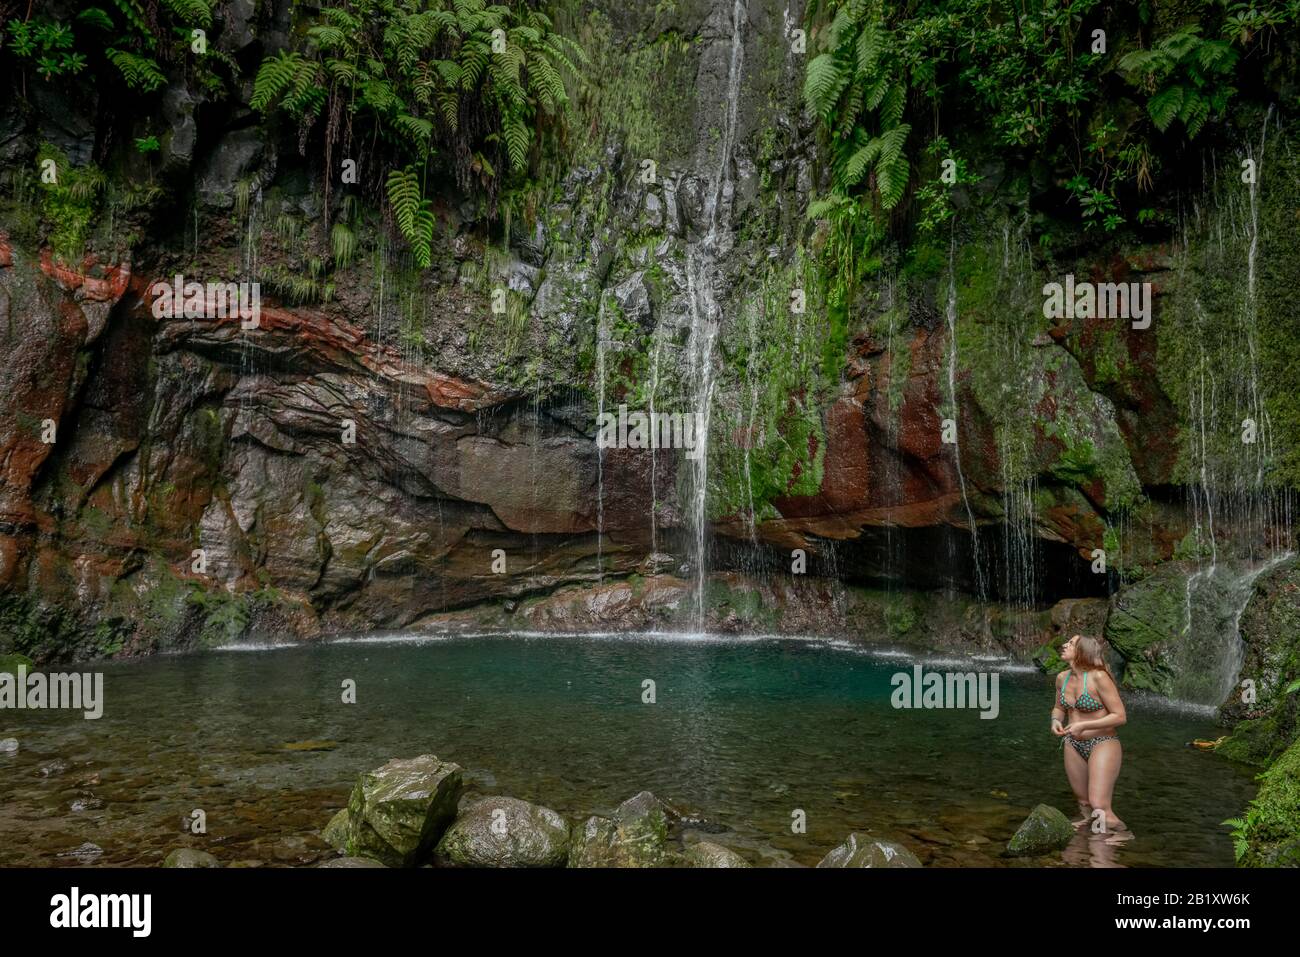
pixel 191 12
pixel 139 72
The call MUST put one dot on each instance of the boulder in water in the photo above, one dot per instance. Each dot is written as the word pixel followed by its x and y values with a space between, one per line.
pixel 335 833
pixel 189 857
pixel 1045 830
pixel 9 746
pixel 504 832
pixel 635 836
pixel 397 813
pixel 708 854
pixel 862 850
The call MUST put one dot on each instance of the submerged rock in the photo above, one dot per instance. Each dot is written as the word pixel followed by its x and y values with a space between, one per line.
pixel 9 746
pixel 397 813
pixel 351 862
pixel 861 850
pixel 505 832
pixel 708 854
pixel 1045 830
pixel 86 853
pixel 189 857
pixel 636 836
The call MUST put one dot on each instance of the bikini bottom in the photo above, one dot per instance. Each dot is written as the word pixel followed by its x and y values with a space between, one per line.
pixel 1084 747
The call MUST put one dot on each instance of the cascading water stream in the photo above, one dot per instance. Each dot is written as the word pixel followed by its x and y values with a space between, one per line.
pixel 950 314
pixel 701 264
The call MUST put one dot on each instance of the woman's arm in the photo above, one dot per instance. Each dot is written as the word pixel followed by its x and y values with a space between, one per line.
pixel 1109 695
pixel 1058 711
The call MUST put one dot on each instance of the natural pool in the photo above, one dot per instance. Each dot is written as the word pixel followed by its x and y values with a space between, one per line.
pixel 742 733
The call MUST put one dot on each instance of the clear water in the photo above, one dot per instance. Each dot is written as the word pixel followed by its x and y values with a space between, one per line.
pixel 743 733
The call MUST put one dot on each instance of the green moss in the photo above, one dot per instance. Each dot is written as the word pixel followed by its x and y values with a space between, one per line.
pixel 1269 833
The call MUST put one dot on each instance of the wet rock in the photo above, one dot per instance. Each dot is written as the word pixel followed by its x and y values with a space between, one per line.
pixel 708 854
pixel 635 836
pixel 189 857
pixel 505 832
pixel 86 853
pixel 1045 830
pixel 335 833
pixel 397 813
pixel 1145 620
pixel 861 850
pixel 8 745
pixel 53 768
pixel 240 154
pixel 351 862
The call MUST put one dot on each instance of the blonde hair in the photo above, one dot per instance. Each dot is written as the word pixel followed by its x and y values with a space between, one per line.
pixel 1090 654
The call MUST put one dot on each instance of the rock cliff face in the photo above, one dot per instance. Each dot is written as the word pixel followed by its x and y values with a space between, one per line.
pixel 358 459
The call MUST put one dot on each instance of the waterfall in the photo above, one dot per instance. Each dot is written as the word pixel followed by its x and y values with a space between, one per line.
pixel 1207 660
pixel 701 265
pixel 950 313
pixel 600 451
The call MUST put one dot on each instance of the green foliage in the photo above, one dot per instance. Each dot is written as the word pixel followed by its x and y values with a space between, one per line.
pixel 454 87
pixel 139 72
pixel 68 205
pixel 857 87
pixel 1187 76
pixel 45 45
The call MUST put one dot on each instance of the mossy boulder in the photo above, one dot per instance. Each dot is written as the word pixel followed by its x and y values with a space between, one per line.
pixel 1145 620
pixel 1267 719
pixel 708 854
pixel 635 836
pixel 862 850
pixel 504 832
pixel 189 857
pixel 1271 834
pixel 336 831
pixel 397 813
pixel 1045 830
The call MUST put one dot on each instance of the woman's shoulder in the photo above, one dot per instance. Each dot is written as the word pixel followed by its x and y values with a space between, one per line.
pixel 1062 677
pixel 1102 677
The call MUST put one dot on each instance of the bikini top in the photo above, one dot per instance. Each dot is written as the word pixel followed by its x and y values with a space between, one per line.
pixel 1085 701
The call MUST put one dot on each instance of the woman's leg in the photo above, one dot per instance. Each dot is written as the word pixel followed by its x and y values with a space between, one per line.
pixel 1103 769
pixel 1076 771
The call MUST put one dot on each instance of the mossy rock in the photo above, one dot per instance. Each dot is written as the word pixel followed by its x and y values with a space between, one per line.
pixel 397 813
pixel 1045 830
pixel 9 664
pixel 862 850
pixel 189 857
pixel 1270 629
pixel 335 833
pixel 708 854
pixel 504 832
pixel 1145 620
pixel 635 836
pixel 349 862
pixel 1272 821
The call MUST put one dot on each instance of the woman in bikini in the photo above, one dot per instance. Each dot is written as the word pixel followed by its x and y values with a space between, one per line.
pixel 1087 712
